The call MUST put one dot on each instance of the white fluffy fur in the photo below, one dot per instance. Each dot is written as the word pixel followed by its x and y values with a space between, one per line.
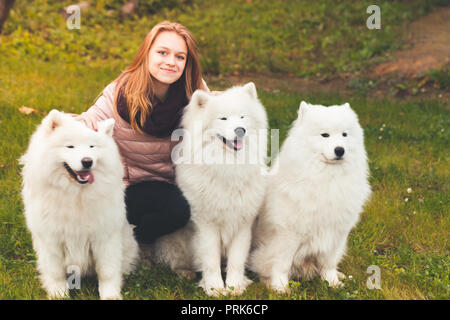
pixel 314 201
pixel 74 224
pixel 224 198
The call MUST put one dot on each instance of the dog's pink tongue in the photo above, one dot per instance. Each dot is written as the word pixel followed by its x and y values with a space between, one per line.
pixel 86 174
pixel 237 144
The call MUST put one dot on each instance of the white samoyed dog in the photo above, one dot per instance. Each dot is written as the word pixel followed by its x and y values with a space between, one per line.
pixel 222 175
pixel 315 198
pixel 73 195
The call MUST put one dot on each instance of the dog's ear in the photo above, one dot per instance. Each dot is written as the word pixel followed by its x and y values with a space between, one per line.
pixel 106 126
pixel 199 98
pixel 251 90
pixel 349 109
pixel 52 121
pixel 302 109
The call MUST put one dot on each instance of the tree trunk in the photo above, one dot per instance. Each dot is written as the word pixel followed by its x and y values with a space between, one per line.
pixel 5 6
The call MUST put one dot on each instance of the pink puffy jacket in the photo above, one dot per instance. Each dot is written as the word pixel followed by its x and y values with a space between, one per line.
pixel 144 157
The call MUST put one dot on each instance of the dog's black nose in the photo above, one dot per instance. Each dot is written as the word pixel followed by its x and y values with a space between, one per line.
pixel 86 162
pixel 339 151
pixel 240 132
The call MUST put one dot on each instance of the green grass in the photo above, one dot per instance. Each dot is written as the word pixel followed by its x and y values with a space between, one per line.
pixel 407 240
pixel 44 66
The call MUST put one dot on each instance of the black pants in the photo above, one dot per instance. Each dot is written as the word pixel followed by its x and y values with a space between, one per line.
pixel 156 208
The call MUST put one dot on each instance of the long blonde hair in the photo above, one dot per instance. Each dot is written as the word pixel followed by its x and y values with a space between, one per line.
pixel 136 84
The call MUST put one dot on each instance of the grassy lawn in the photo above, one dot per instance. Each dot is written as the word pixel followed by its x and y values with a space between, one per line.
pixel 43 65
pixel 407 143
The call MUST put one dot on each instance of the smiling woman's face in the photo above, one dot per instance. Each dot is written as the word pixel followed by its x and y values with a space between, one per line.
pixel 168 55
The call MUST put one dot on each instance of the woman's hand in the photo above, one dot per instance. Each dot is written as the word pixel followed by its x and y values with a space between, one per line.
pixel 91 125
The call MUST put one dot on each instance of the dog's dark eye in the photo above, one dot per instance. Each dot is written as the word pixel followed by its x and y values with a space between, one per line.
pixel 223 118
pixel 70 147
pixel 242 117
pixel 325 135
pixel 344 134
pixel 91 146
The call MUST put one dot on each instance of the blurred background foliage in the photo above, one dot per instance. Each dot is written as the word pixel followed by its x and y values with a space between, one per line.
pixel 298 37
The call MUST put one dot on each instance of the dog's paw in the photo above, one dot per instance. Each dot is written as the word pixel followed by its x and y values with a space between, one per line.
pixel 109 292
pixel 341 276
pixel 57 290
pixel 56 295
pixel 215 292
pixel 112 297
pixel 332 277
pixel 279 283
pixel 281 289
pixel 336 284
pixel 213 288
pixel 238 286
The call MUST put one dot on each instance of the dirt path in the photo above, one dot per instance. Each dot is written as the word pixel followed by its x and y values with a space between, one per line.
pixel 429 48
pixel 429 39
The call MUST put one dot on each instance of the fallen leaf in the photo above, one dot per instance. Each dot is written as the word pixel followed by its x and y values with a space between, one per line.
pixel 26 110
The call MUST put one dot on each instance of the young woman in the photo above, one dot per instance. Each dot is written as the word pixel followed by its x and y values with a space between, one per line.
pixel 147 101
